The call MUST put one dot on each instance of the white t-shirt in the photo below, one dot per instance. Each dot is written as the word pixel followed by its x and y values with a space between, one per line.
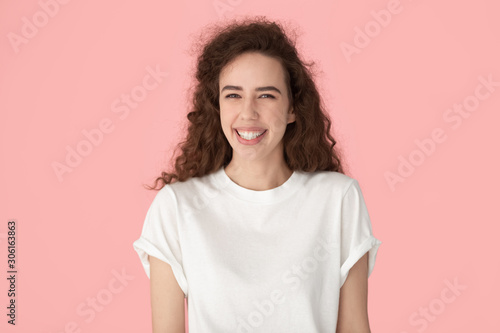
pixel 260 261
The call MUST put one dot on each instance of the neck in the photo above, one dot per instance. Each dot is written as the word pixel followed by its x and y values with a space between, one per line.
pixel 258 177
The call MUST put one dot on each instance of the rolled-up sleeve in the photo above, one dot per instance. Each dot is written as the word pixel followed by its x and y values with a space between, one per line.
pixel 160 236
pixel 356 232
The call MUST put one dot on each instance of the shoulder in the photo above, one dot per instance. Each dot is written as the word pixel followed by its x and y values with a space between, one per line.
pixel 331 181
pixel 191 184
pixel 192 189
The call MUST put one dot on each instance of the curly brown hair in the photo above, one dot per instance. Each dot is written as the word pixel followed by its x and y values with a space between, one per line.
pixel 308 144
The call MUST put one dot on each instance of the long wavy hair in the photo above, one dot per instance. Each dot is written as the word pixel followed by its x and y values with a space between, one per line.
pixel 308 143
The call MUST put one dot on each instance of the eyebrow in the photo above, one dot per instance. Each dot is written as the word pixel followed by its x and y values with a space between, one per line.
pixel 256 89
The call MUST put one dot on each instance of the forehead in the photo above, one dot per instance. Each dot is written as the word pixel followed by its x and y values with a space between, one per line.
pixel 253 68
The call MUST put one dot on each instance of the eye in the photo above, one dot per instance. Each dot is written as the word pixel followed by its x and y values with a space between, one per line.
pixel 270 96
pixel 229 96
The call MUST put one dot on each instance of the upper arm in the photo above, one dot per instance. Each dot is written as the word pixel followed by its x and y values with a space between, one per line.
pixel 353 304
pixel 167 299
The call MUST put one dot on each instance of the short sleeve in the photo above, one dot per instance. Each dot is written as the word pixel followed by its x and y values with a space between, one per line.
pixel 356 232
pixel 160 236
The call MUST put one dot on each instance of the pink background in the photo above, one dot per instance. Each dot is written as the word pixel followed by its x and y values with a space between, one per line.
pixel 75 232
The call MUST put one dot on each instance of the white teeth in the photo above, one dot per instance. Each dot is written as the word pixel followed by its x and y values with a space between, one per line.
pixel 250 135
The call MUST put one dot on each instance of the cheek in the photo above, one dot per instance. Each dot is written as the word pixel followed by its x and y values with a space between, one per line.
pixel 228 112
pixel 225 120
pixel 278 122
pixel 276 114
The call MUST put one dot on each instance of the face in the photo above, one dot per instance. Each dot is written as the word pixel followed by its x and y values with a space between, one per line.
pixel 253 99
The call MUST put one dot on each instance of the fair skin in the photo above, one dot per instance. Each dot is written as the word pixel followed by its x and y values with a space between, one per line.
pixel 167 298
pixel 253 93
pixel 353 307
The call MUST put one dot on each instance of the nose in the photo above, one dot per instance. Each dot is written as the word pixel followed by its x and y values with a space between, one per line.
pixel 249 110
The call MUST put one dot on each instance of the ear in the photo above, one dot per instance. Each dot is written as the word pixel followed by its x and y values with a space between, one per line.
pixel 291 116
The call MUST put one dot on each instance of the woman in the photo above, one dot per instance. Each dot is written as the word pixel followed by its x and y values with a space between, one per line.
pixel 262 231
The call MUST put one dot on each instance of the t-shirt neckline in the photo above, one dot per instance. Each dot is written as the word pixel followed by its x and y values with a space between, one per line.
pixel 266 196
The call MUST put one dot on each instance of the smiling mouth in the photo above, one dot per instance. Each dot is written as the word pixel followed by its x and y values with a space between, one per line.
pixel 249 135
